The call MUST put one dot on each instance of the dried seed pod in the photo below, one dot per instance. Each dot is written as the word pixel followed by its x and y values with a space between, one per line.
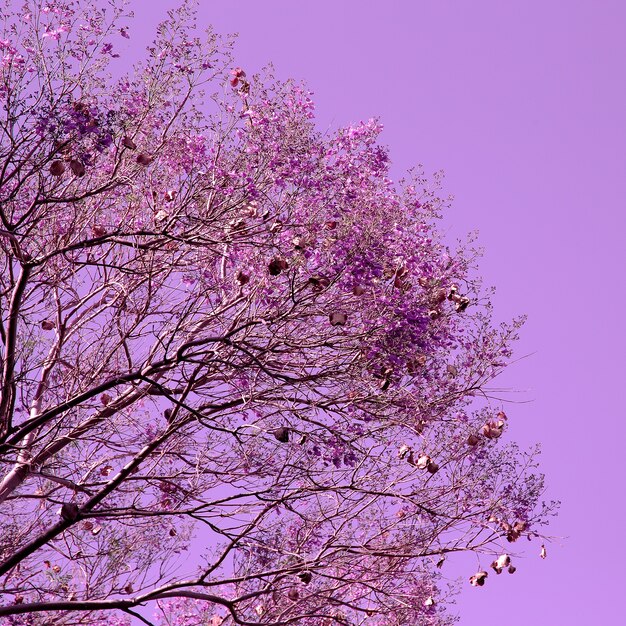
pixel 544 553
pixel 430 601
pixel 358 290
pixel 422 461
pixel 276 227
pixel 305 577
pixel 57 168
pixel 338 318
pixel 293 594
pixel 452 370
pixel 331 225
pixel 161 216
pixel 77 167
pixel 502 562
pixel 47 324
pixel 403 451
pixel 129 588
pixel 277 265
pixel 453 292
pixel 492 429
pixel 519 527
pixel 98 231
pixel 106 470
pixel 105 398
pixel 144 159
pixel 319 282
pixel 478 579
pixel 434 314
pixel 242 278
pixel 281 434
pixel 69 511
pixel 432 467
pixel 298 243
pixel 473 440
pixel 439 296
pixel 512 569
pixel 172 532
pixel 168 414
pixel 127 142
pixel 462 304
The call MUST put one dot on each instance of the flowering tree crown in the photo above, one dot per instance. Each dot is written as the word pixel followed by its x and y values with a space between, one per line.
pixel 218 323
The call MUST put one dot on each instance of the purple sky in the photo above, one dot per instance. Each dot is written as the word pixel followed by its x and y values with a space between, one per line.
pixel 523 104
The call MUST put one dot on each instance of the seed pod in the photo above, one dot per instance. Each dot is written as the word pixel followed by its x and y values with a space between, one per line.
pixel 98 231
pixel 358 290
pixel 144 159
pixel 281 434
pixel 439 296
pixel 478 579
pixel 277 265
pixel 106 470
pixel 161 216
pixel 403 451
pixel 105 398
pixel 337 318
pixel 462 304
pixel 433 314
pixel 47 325
pixel 127 142
pixel 544 553
pixel 472 440
pixel 77 167
pixel 168 414
pixel 452 370
pixel 305 577
pixel 429 601
pixel 331 224
pixel 57 168
pixel 319 282
pixel 298 243
pixel 293 594
pixel 512 569
pixel 170 195
pixel 129 588
pixel 242 278
pixel 519 527
pixel 432 467
pixel 453 292
pixel 422 461
pixel 69 511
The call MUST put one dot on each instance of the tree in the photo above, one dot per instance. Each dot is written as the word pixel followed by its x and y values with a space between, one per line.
pixel 218 323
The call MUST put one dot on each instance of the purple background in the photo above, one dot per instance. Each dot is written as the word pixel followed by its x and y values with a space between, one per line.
pixel 523 105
